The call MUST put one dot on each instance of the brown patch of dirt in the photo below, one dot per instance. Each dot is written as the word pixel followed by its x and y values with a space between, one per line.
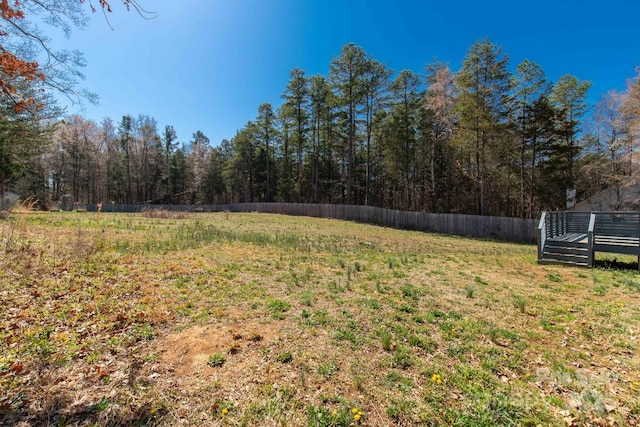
pixel 186 353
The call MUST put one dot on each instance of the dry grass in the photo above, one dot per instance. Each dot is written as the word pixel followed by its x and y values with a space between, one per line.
pixel 163 213
pixel 255 319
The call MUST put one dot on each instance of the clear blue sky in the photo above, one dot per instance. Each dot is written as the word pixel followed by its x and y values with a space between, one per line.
pixel 208 64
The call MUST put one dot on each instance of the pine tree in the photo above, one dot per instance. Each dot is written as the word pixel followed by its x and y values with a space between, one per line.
pixel 568 96
pixel 405 117
pixel 347 75
pixel 542 136
pixel 125 133
pixel 529 84
pixel 180 178
pixel 169 144
pixel 241 167
pixel 285 187
pixel 296 101
pixel 266 134
pixel 376 82
pixel 214 186
pixel 482 107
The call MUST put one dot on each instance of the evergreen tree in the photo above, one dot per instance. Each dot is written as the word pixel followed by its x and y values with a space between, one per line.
pixel 241 167
pixel 295 108
pixel 180 178
pixel 285 165
pixel 482 107
pixel 542 136
pixel 169 144
pixel 266 134
pixel 214 188
pixel 148 154
pixel 321 156
pixel 529 84
pixel 125 134
pixel 376 82
pixel 402 149
pixel 347 74
pixel 569 98
pixel 23 136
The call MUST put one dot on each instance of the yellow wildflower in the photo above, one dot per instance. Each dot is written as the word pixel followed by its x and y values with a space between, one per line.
pixel 225 411
pixel 354 411
pixel 356 417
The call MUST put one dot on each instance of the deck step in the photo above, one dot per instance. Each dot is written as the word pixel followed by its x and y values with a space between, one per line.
pixel 564 259
pixel 553 261
pixel 565 252
pixel 574 249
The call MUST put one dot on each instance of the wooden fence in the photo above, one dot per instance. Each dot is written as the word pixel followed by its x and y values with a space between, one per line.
pixel 499 228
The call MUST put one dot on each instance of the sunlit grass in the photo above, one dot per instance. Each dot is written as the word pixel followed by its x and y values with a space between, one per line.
pixel 255 319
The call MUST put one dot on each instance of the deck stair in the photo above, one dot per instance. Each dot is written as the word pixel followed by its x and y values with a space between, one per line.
pixel 573 237
pixel 569 248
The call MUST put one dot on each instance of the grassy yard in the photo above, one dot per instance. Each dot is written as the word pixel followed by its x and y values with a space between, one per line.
pixel 265 320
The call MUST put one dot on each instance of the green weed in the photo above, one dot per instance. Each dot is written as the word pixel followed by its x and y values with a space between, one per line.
pixel 216 360
pixel 285 357
pixel 101 405
pixel 554 277
pixel 386 340
pixel 278 308
pixel 402 358
pixel 307 298
pixel 520 303
pixel 327 369
pixel 469 291
pixel 410 291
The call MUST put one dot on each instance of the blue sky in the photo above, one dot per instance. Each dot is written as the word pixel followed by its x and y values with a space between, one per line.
pixel 208 64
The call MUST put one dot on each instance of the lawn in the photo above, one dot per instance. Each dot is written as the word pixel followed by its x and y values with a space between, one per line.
pixel 232 319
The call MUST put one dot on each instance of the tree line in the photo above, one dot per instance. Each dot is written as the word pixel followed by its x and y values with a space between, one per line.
pixel 481 140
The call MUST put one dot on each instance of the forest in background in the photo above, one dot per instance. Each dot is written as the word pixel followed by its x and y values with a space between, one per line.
pixel 486 139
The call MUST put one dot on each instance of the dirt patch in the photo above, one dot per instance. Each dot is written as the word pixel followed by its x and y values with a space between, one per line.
pixel 186 353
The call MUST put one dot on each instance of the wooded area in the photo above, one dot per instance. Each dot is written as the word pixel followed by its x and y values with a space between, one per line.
pixel 484 140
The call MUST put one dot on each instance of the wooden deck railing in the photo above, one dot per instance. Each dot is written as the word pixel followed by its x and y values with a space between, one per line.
pixel 590 230
pixel 613 232
pixel 542 234
pixel 554 224
pixel 617 232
